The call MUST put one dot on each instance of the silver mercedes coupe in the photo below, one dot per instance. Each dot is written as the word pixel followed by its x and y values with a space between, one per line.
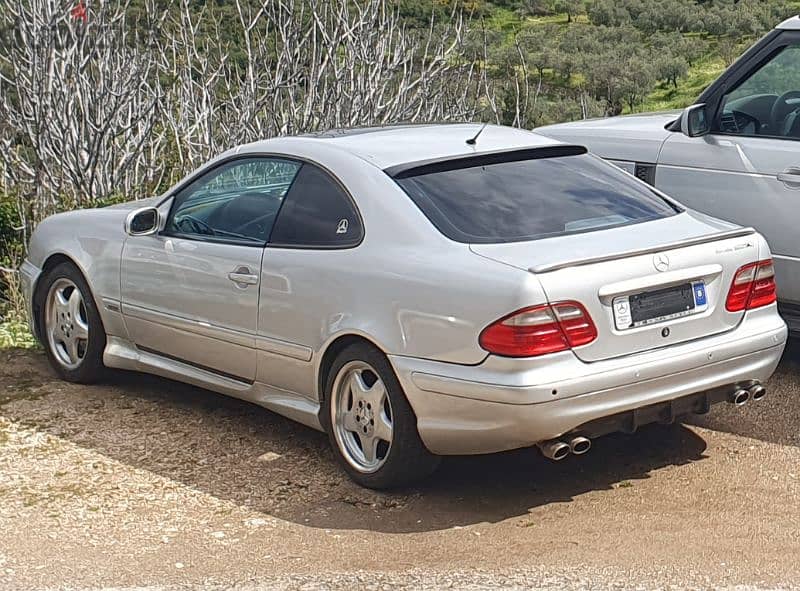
pixel 416 291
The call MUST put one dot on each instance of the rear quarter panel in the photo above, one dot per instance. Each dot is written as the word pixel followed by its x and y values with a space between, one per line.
pixel 406 287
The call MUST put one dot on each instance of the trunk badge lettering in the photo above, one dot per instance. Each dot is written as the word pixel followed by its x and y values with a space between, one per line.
pixel 661 262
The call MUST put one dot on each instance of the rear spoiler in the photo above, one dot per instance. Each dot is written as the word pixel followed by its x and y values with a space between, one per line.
pixel 420 167
pixel 640 251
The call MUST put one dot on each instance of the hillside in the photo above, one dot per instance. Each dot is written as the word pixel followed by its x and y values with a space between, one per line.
pixel 572 58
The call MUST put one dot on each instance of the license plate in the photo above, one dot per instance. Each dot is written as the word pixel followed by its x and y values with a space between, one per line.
pixel 651 307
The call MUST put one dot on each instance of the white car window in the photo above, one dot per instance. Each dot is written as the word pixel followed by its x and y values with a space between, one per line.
pixel 768 101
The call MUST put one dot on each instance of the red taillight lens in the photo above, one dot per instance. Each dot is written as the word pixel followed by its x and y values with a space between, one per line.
pixel 753 286
pixel 539 330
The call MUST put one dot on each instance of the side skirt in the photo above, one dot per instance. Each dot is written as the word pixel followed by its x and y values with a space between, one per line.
pixel 122 354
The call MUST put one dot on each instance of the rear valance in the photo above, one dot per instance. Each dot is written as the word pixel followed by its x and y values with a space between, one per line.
pixel 447 163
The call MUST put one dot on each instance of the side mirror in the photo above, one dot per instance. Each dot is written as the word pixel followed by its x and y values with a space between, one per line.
pixel 694 121
pixel 142 222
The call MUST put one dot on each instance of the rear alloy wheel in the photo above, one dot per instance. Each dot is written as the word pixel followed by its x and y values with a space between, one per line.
pixel 70 326
pixel 362 417
pixel 370 424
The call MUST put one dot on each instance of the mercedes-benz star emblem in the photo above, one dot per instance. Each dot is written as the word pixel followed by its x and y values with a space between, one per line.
pixel 661 262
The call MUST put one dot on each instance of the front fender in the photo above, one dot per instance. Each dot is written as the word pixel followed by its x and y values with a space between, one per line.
pixel 92 240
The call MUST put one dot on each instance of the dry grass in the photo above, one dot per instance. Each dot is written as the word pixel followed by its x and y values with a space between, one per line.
pixel 14 331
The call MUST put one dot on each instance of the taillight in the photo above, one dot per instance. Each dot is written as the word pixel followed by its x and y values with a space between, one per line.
pixel 753 286
pixel 539 330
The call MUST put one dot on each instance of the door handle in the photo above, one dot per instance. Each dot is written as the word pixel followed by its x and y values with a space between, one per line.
pixel 790 177
pixel 243 276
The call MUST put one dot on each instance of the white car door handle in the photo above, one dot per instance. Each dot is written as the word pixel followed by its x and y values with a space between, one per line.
pixel 243 277
pixel 790 177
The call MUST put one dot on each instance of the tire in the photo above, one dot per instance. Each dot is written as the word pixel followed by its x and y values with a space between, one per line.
pixel 364 405
pixel 70 327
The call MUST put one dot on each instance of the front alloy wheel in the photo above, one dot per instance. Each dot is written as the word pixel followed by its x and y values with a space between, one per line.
pixel 69 324
pixel 66 323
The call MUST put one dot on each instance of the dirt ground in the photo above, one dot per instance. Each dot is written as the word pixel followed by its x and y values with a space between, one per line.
pixel 146 483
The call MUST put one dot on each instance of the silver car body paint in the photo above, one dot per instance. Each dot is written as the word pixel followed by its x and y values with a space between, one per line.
pixel 169 308
pixel 790 24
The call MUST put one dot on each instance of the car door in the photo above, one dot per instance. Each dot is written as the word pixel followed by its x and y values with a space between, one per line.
pixel 191 292
pixel 747 169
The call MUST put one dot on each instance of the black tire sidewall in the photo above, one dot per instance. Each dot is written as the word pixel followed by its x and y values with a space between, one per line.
pixel 91 368
pixel 408 459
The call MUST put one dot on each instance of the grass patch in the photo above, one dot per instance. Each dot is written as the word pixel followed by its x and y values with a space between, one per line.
pixel 14 333
pixel 701 74
pixel 557 19
pixel 503 19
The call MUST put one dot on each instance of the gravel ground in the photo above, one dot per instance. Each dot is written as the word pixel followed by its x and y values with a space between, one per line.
pixel 145 483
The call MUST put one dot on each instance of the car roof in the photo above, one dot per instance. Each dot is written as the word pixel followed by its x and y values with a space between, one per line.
pixel 390 146
pixel 790 24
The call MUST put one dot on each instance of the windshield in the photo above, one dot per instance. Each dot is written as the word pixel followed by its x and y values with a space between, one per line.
pixel 530 199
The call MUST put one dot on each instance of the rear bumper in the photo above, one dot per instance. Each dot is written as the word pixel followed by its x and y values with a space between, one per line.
pixel 506 404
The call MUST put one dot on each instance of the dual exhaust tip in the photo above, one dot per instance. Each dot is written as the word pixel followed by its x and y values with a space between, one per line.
pixel 742 396
pixel 555 449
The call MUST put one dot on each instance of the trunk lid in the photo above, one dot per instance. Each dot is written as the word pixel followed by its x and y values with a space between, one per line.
pixel 652 267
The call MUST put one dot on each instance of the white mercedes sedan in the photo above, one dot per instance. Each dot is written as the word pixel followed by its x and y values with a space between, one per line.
pixel 734 154
pixel 415 292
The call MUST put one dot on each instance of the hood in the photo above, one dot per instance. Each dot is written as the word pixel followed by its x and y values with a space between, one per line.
pixel 636 138
pixel 129 205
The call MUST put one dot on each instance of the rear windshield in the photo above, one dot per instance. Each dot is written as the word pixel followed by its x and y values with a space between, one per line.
pixel 530 199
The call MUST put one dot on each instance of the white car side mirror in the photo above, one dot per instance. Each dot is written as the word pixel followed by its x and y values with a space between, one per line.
pixel 142 222
pixel 694 121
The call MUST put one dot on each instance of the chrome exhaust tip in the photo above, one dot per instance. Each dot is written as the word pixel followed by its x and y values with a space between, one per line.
pixel 757 392
pixel 554 449
pixel 580 445
pixel 740 397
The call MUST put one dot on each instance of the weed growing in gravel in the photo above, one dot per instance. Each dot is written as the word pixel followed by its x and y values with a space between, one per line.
pixel 14 333
pixel 14 330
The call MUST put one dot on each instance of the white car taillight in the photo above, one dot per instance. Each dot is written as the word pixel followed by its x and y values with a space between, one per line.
pixel 753 286
pixel 539 330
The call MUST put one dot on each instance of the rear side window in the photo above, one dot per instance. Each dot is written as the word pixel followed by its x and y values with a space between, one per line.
pixel 530 199
pixel 316 213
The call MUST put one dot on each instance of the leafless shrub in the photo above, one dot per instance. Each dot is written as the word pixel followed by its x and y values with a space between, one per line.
pixel 80 101
pixel 101 107
pixel 309 65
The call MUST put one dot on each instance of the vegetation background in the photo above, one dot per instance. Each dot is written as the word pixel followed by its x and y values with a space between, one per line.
pixel 105 101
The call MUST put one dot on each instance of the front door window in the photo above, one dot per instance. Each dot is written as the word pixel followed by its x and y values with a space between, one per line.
pixel 766 103
pixel 237 202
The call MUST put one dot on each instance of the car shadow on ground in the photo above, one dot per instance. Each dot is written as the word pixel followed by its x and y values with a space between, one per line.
pixel 241 453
